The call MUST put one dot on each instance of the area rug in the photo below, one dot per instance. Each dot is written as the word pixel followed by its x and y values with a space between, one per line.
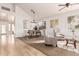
pixel 48 50
pixel 52 51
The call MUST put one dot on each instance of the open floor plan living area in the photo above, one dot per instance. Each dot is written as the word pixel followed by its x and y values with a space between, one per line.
pixel 39 29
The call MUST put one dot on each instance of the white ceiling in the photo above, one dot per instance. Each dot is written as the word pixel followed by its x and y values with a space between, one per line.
pixel 45 9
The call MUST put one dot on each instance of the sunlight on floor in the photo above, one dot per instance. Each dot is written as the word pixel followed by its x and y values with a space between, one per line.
pixel 7 39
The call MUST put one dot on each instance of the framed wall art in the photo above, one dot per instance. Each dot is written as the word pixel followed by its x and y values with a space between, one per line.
pixel 53 23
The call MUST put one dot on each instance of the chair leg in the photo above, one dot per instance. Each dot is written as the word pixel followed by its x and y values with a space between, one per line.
pixel 75 43
pixel 56 45
pixel 66 42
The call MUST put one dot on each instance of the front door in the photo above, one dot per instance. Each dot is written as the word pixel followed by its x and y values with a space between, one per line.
pixel 6 29
pixel 6 33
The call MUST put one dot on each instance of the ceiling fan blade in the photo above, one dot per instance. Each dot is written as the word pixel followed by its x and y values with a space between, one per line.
pixel 61 5
pixel 74 3
pixel 61 8
pixel 32 11
pixel 33 21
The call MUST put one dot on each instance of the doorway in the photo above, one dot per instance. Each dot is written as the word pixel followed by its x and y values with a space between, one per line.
pixel 6 30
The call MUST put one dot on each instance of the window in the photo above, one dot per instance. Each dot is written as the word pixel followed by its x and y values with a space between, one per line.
pixel 3 29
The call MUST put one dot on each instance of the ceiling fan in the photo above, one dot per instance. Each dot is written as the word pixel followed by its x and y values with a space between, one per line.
pixel 33 12
pixel 66 5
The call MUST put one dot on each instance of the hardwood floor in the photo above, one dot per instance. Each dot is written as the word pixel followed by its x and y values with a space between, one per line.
pixel 32 47
pixel 18 48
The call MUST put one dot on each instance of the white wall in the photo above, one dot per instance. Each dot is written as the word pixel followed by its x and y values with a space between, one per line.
pixel 62 22
pixel 20 16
